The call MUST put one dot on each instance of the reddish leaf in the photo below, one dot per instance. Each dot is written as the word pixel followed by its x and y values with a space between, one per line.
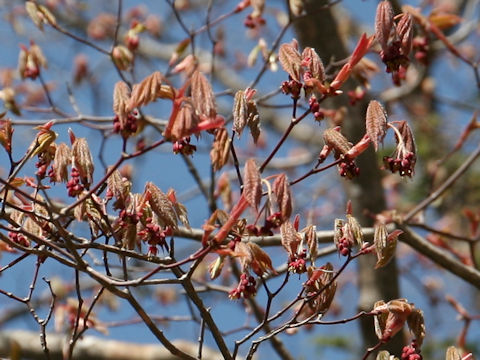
pixel 252 185
pixel 203 98
pixel 376 123
pixel 281 189
pixel 291 61
pixel 383 23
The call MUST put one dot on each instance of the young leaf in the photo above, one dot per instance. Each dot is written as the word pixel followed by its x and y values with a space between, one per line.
pixel 220 149
pixel 203 98
pixel 337 141
pixel 376 123
pixel 252 186
pixel 416 324
pixel 281 189
pixel 261 262
pixel 453 354
pixel 383 23
pixel 291 61
pixel 149 90
pixel 121 96
pixel 82 160
pixel 161 205
pixel 239 112
pixel 61 162
pixel 290 238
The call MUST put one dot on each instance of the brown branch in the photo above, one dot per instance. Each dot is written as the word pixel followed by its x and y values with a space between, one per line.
pixel 440 257
pixel 92 348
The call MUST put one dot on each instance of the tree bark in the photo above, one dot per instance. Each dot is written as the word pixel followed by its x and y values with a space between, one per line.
pixel 319 29
pixel 26 345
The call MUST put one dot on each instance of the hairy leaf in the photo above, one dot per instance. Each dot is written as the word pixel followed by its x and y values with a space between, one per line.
pixel 376 123
pixel 261 262
pixel 252 185
pixel 313 63
pixel 220 149
pixel 416 324
pixel 290 237
pixel 337 141
pixel 203 98
pixel 149 90
pixel 383 23
pixel 281 189
pixel 61 162
pixel 291 61
pixel 82 160
pixel 121 96
pixel 161 205
pixel 240 114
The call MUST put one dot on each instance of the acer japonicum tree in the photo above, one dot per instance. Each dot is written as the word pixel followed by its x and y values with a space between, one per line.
pixel 247 237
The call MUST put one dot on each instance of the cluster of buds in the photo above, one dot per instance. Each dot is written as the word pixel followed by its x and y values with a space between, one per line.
pixel 404 157
pixel 30 60
pixel 347 234
pixel 395 40
pixel 272 222
pixel 348 169
pixel 411 351
pixel 74 185
pixel 44 160
pixel 18 238
pixel 292 87
pixel 253 22
pixel 154 235
pixel 129 126
pixel 255 19
pixel 421 47
pixel 297 262
pixel 315 108
pixel 132 39
pixel 184 147
pixel 247 288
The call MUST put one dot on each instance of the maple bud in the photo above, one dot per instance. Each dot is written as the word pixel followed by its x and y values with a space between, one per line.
pixel 122 57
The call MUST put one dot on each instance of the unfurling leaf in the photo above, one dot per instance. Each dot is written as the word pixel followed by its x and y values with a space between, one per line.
pixel 215 268
pixel 61 162
pixel 185 122
pixel 281 189
pixel 252 185
pixel 321 287
pixel 355 229
pixel 311 240
pixel 220 149
pixel 203 98
pixel 82 160
pixel 239 112
pixel 385 244
pixel 39 14
pixel 161 205
pixel 120 188
pixel 291 61
pixel 416 324
pixel 444 20
pixel 392 316
pixel 313 63
pixel 384 355
pixel 261 262
pixel 149 90
pixel 45 137
pixel 407 136
pixel 6 132
pixel 405 33
pixel 122 57
pixel 121 96
pixel 337 141
pixel 453 354
pixel 383 23
pixel 376 123
pixel 180 209
pixel 290 238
